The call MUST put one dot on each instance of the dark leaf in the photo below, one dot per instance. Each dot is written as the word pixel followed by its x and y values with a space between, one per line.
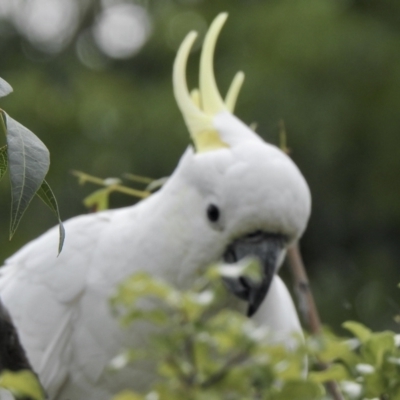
pixel 28 162
pixel 47 195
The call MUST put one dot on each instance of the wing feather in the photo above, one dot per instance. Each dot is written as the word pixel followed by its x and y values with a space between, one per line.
pixel 42 293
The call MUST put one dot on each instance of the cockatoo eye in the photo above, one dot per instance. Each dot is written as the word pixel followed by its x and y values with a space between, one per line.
pixel 213 212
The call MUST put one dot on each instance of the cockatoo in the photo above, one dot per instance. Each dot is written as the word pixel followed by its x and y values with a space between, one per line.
pixel 232 195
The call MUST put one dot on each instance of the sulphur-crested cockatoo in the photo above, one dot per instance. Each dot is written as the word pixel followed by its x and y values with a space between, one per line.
pixel 232 195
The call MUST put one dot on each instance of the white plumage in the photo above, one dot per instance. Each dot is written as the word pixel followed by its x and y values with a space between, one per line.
pixel 60 305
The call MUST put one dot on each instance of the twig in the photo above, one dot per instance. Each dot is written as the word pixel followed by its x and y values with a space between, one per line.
pixel 113 187
pixel 138 178
pixel 283 137
pixel 307 306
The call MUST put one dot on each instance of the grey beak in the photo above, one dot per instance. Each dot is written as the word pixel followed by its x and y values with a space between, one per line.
pixel 267 248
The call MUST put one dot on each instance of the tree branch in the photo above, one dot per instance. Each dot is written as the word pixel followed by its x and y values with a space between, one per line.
pixel 308 309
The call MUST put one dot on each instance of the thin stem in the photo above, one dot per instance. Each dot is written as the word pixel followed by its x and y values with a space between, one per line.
pixel 307 306
pixel 83 178
pixel 138 178
pixel 283 137
pixel 132 192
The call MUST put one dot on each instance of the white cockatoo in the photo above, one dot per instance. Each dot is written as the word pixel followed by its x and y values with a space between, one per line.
pixel 232 195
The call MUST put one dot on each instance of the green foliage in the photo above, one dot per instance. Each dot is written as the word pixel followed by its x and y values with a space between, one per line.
pixel 28 160
pixel 204 350
pixel 22 384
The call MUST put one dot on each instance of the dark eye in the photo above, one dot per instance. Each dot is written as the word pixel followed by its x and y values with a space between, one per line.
pixel 213 213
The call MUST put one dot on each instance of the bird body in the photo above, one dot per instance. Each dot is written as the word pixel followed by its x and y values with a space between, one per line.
pixel 60 304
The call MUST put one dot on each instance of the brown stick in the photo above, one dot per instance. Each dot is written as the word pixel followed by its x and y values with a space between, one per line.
pixel 307 307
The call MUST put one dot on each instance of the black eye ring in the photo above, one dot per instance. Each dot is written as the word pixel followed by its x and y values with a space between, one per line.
pixel 213 213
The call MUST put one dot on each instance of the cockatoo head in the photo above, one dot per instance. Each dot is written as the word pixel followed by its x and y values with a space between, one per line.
pixel 248 197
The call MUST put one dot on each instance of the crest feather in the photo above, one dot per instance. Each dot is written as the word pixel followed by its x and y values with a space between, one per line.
pixel 200 106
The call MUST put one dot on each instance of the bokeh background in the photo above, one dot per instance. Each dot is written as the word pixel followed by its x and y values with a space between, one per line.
pixel 93 80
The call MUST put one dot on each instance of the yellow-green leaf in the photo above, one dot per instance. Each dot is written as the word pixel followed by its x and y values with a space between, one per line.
pixel 98 200
pixel 358 330
pixel 300 390
pixel 335 372
pixel 22 383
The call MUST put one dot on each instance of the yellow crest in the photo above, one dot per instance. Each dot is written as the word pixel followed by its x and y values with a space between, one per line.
pixel 201 105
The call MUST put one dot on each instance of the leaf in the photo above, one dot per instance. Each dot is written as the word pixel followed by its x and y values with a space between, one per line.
pixel 358 330
pixel 380 344
pixel 5 88
pixel 3 161
pixel 300 390
pixel 335 372
pixel 374 385
pixel 333 349
pixel 47 195
pixel 28 162
pixel 98 200
pixel 22 383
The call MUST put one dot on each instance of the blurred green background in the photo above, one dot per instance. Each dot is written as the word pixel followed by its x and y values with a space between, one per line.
pixel 93 80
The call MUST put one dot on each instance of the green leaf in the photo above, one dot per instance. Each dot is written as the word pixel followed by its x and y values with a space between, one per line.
pixel 374 385
pixel 98 200
pixel 379 345
pixel 358 330
pixel 3 161
pixel 22 383
pixel 335 372
pixel 300 390
pixel 47 195
pixel 5 88
pixel 28 162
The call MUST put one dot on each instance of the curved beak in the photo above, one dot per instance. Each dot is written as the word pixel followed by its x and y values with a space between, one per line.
pixel 267 247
